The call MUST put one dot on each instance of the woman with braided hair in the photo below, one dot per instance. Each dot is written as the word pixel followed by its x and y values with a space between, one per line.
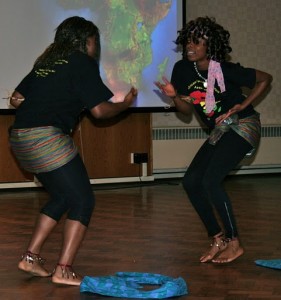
pixel 205 81
pixel 64 81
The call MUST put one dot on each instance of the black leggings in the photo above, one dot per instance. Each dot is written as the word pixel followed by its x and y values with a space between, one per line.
pixel 204 177
pixel 70 191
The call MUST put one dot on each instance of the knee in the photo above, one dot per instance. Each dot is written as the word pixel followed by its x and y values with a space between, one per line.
pixel 191 183
pixel 82 212
pixel 55 209
pixel 210 184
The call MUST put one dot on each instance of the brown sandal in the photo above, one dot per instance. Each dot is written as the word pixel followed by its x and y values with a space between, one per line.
pixel 32 263
pixel 217 246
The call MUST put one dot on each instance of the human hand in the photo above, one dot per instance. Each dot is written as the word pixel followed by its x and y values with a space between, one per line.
pixel 166 87
pixel 131 96
pixel 16 99
pixel 235 109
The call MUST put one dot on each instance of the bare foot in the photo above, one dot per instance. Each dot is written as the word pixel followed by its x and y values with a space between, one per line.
pixel 216 247
pixel 33 264
pixel 64 274
pixel 232 251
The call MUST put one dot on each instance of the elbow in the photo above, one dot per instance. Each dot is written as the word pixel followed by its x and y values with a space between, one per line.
pixel 264 78
pixel 96 113
pixel 270 79
pixel 101 111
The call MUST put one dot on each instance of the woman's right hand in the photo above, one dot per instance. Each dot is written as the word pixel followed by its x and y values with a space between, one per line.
pixel 166 87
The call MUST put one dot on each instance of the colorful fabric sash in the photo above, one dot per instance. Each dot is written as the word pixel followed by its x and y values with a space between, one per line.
pixel 248 128
pixel 42 149
pixel 127 285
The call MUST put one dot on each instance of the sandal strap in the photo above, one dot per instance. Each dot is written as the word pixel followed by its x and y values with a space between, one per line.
pixel 32 258
pixel 219 241
pixel 67 270
pixel 64 265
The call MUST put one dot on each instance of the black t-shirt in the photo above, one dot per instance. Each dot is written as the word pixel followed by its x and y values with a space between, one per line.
pixel 57 96
pixel 187 82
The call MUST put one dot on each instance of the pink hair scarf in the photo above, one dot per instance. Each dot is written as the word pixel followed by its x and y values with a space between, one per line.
pixel 214 73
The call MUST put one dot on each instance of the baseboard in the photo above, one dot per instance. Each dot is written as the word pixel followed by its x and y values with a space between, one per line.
pixel 242 170
pixel 36 184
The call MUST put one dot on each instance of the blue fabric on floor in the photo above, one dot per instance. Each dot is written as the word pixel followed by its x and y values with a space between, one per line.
pixel 128 285
pixel 269 263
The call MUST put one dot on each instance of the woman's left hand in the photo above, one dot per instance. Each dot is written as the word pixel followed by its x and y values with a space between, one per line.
pixel 131 96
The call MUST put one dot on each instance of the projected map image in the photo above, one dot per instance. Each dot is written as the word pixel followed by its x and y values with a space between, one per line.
pixel 137 41
pixel 136 50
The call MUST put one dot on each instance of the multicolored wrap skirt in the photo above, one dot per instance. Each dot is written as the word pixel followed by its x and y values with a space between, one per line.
pixel 248 128
pixel 42 149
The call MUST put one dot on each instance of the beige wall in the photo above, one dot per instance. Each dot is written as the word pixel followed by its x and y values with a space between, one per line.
pixel 255 31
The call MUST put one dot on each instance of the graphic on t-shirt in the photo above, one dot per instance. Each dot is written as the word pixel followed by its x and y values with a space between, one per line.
pixel 44 72
pixel 199 98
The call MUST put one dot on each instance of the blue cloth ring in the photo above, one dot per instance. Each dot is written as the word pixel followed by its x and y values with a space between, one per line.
pixel 129 285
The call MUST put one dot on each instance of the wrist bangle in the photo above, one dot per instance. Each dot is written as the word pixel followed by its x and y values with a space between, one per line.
pixel 187 99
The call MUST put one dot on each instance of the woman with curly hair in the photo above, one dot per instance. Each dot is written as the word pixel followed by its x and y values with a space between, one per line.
pixel 64 81
pixel 206 81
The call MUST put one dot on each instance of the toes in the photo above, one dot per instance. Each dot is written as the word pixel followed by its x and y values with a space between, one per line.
pixel 228 256
pixel 66 281
pixel 206 258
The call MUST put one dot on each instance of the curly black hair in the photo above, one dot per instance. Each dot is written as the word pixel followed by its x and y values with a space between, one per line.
pixel 71 35
pixel 216 37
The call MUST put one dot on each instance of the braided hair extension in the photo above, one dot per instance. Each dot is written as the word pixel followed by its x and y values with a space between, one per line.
pixel 216 37
pixel 71 35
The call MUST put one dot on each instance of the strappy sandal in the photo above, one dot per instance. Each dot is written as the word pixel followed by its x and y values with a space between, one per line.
pixel 32 263
pixel 68 276
pixel 217 246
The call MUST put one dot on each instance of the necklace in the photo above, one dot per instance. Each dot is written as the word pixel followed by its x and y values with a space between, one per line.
pixel 205 84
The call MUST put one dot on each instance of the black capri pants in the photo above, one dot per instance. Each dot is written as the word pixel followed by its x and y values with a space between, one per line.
pixel 203 181
pixel 70 190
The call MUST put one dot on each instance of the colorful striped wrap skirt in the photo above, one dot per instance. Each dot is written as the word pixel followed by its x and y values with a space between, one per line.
pixel 248 128
pixel 42 149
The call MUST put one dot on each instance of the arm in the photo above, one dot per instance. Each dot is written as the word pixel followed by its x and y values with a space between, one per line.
pixel 263 81
pixel 182 103
pixel 16 99
pixel 106 110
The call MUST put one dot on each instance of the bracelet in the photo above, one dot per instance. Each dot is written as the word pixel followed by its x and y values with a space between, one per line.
pixel 168 106
pixel 16 98
pixel 187 99
pixel 13 98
